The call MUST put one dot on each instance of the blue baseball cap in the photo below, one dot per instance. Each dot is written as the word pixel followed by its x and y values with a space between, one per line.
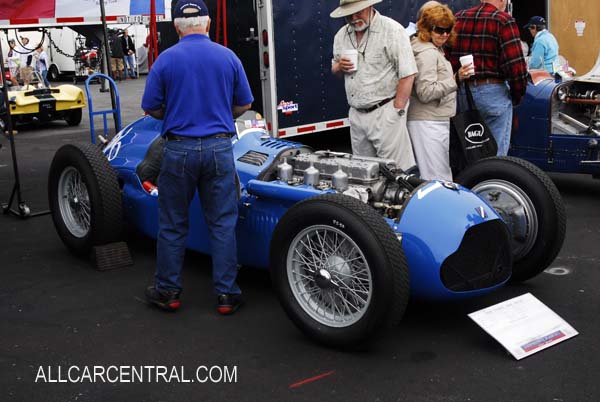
pixel 190 8
pixel 535 21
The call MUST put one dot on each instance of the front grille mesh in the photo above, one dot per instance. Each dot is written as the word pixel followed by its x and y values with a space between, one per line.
pixel 483 259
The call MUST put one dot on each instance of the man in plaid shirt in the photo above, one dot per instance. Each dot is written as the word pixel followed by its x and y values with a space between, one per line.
pixel 491 35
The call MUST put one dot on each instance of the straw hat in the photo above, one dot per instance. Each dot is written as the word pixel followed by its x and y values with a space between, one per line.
pixel 349 7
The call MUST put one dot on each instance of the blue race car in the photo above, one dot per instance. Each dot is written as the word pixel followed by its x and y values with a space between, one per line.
pixel 557 125
pixel 347 239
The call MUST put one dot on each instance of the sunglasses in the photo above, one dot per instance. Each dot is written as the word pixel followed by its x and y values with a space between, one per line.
pixel 441 30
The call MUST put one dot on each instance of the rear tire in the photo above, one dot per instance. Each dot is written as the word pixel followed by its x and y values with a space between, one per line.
pixel 529 203
pixel 74 117
pixel 84 198
pixel 53 74
pixel 339 270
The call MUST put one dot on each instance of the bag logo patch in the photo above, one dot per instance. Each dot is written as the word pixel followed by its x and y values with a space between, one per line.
pixel 474 134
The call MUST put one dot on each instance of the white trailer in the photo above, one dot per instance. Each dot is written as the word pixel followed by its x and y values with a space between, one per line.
pixel 67 20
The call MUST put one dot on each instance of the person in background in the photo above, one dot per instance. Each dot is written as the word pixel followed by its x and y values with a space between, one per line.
pixel 41 63
pixel 378 87
pixel 491 35
pixel 26 63
pixel 197 87
pixel 116 55
pixel 544 52
pixel 14 62
pixel 128 54
pixel 433 98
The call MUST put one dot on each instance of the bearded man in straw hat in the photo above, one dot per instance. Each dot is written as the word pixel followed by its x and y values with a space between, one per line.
pixel 378 77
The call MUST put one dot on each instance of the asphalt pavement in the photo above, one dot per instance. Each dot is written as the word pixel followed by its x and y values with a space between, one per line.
pixel 58 312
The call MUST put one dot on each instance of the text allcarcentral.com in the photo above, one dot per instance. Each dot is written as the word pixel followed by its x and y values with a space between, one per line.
pixel 136 374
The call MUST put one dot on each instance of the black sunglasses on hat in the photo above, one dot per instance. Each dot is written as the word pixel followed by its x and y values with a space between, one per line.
pixel 442 30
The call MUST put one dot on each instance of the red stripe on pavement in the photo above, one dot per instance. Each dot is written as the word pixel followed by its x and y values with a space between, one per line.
pixel 311 379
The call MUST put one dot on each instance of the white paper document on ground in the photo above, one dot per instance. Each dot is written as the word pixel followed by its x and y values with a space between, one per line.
pixel 523 325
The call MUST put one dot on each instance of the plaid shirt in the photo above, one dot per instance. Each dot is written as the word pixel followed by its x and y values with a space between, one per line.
pixel 492 37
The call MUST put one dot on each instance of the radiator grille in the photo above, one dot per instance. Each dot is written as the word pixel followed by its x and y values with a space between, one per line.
pixel 483 259
pixel 254 158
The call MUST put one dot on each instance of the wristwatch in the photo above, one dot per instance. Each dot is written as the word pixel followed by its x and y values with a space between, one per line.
pixel 401 112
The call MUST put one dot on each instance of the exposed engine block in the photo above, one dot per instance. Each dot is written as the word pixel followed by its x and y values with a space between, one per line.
pixel 374 181
pixel 360 169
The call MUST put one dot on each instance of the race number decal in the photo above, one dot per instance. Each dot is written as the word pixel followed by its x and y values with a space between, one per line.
pixel 114 146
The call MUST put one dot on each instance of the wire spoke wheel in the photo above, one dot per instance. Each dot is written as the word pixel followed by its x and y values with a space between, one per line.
pixel 339 270
pixel 74 202
pixel 329 276
pixel 84 198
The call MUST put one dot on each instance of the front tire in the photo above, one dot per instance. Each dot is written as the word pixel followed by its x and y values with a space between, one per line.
pixel 84 198
pixel 530 204
pixel 339 270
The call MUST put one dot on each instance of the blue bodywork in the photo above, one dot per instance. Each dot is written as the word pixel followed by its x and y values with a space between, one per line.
pixel 539 134
pixel 432 225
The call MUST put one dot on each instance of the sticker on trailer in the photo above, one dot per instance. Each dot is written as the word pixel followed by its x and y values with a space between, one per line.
pixel 255 124
pixel 287 107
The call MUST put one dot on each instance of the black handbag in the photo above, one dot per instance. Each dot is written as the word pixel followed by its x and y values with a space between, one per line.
pixel 470 137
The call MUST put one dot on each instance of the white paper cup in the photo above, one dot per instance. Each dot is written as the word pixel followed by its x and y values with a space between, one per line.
pixel 351 54
pixel 466 60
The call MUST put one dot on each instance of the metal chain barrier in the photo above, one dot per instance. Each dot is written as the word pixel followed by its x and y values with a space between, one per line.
pixel 77 55
pixel 55 46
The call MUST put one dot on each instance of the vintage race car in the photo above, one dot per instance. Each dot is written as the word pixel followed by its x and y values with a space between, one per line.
pixel 557 125
pixel 347 239
pixel 37 103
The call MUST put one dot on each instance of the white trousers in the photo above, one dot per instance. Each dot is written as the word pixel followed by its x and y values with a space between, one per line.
pixel 431 143
pixel 381 133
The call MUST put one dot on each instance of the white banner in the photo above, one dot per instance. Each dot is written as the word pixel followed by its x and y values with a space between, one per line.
pixel 90 8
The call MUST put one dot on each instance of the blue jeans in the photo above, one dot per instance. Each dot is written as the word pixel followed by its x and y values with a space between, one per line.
pixel 495 105
pixel 44 76
pixel 206 165
pixel 128 64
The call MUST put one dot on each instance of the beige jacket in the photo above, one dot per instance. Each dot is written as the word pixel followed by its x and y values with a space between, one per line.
pixel 434 92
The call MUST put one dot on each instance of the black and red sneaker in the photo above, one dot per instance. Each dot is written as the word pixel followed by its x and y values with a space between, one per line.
pixel 229 303
pixel 166 300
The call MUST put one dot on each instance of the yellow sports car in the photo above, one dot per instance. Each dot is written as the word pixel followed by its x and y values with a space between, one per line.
pixel 34 102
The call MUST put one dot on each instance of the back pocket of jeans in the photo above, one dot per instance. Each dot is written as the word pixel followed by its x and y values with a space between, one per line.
pixel 173 162
pixel 224 163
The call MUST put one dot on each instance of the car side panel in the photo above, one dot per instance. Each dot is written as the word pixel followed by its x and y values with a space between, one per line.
pixel 530 138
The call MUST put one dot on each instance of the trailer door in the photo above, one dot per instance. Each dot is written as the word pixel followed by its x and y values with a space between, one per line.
pixel 300 95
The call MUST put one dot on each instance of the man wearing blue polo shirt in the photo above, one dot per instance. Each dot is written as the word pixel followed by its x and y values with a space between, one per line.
pixel 196 87
pixel 545 47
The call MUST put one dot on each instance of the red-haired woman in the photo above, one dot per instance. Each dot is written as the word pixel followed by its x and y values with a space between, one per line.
pixel 433 98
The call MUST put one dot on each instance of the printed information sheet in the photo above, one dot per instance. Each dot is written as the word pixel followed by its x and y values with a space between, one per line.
pixel 523 325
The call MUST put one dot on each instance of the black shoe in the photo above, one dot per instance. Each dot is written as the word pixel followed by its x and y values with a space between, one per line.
pixel 229 303
pixel 166 300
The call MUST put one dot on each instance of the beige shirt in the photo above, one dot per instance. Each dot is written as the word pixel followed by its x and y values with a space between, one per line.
pixel 385 56
pixel 434 91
